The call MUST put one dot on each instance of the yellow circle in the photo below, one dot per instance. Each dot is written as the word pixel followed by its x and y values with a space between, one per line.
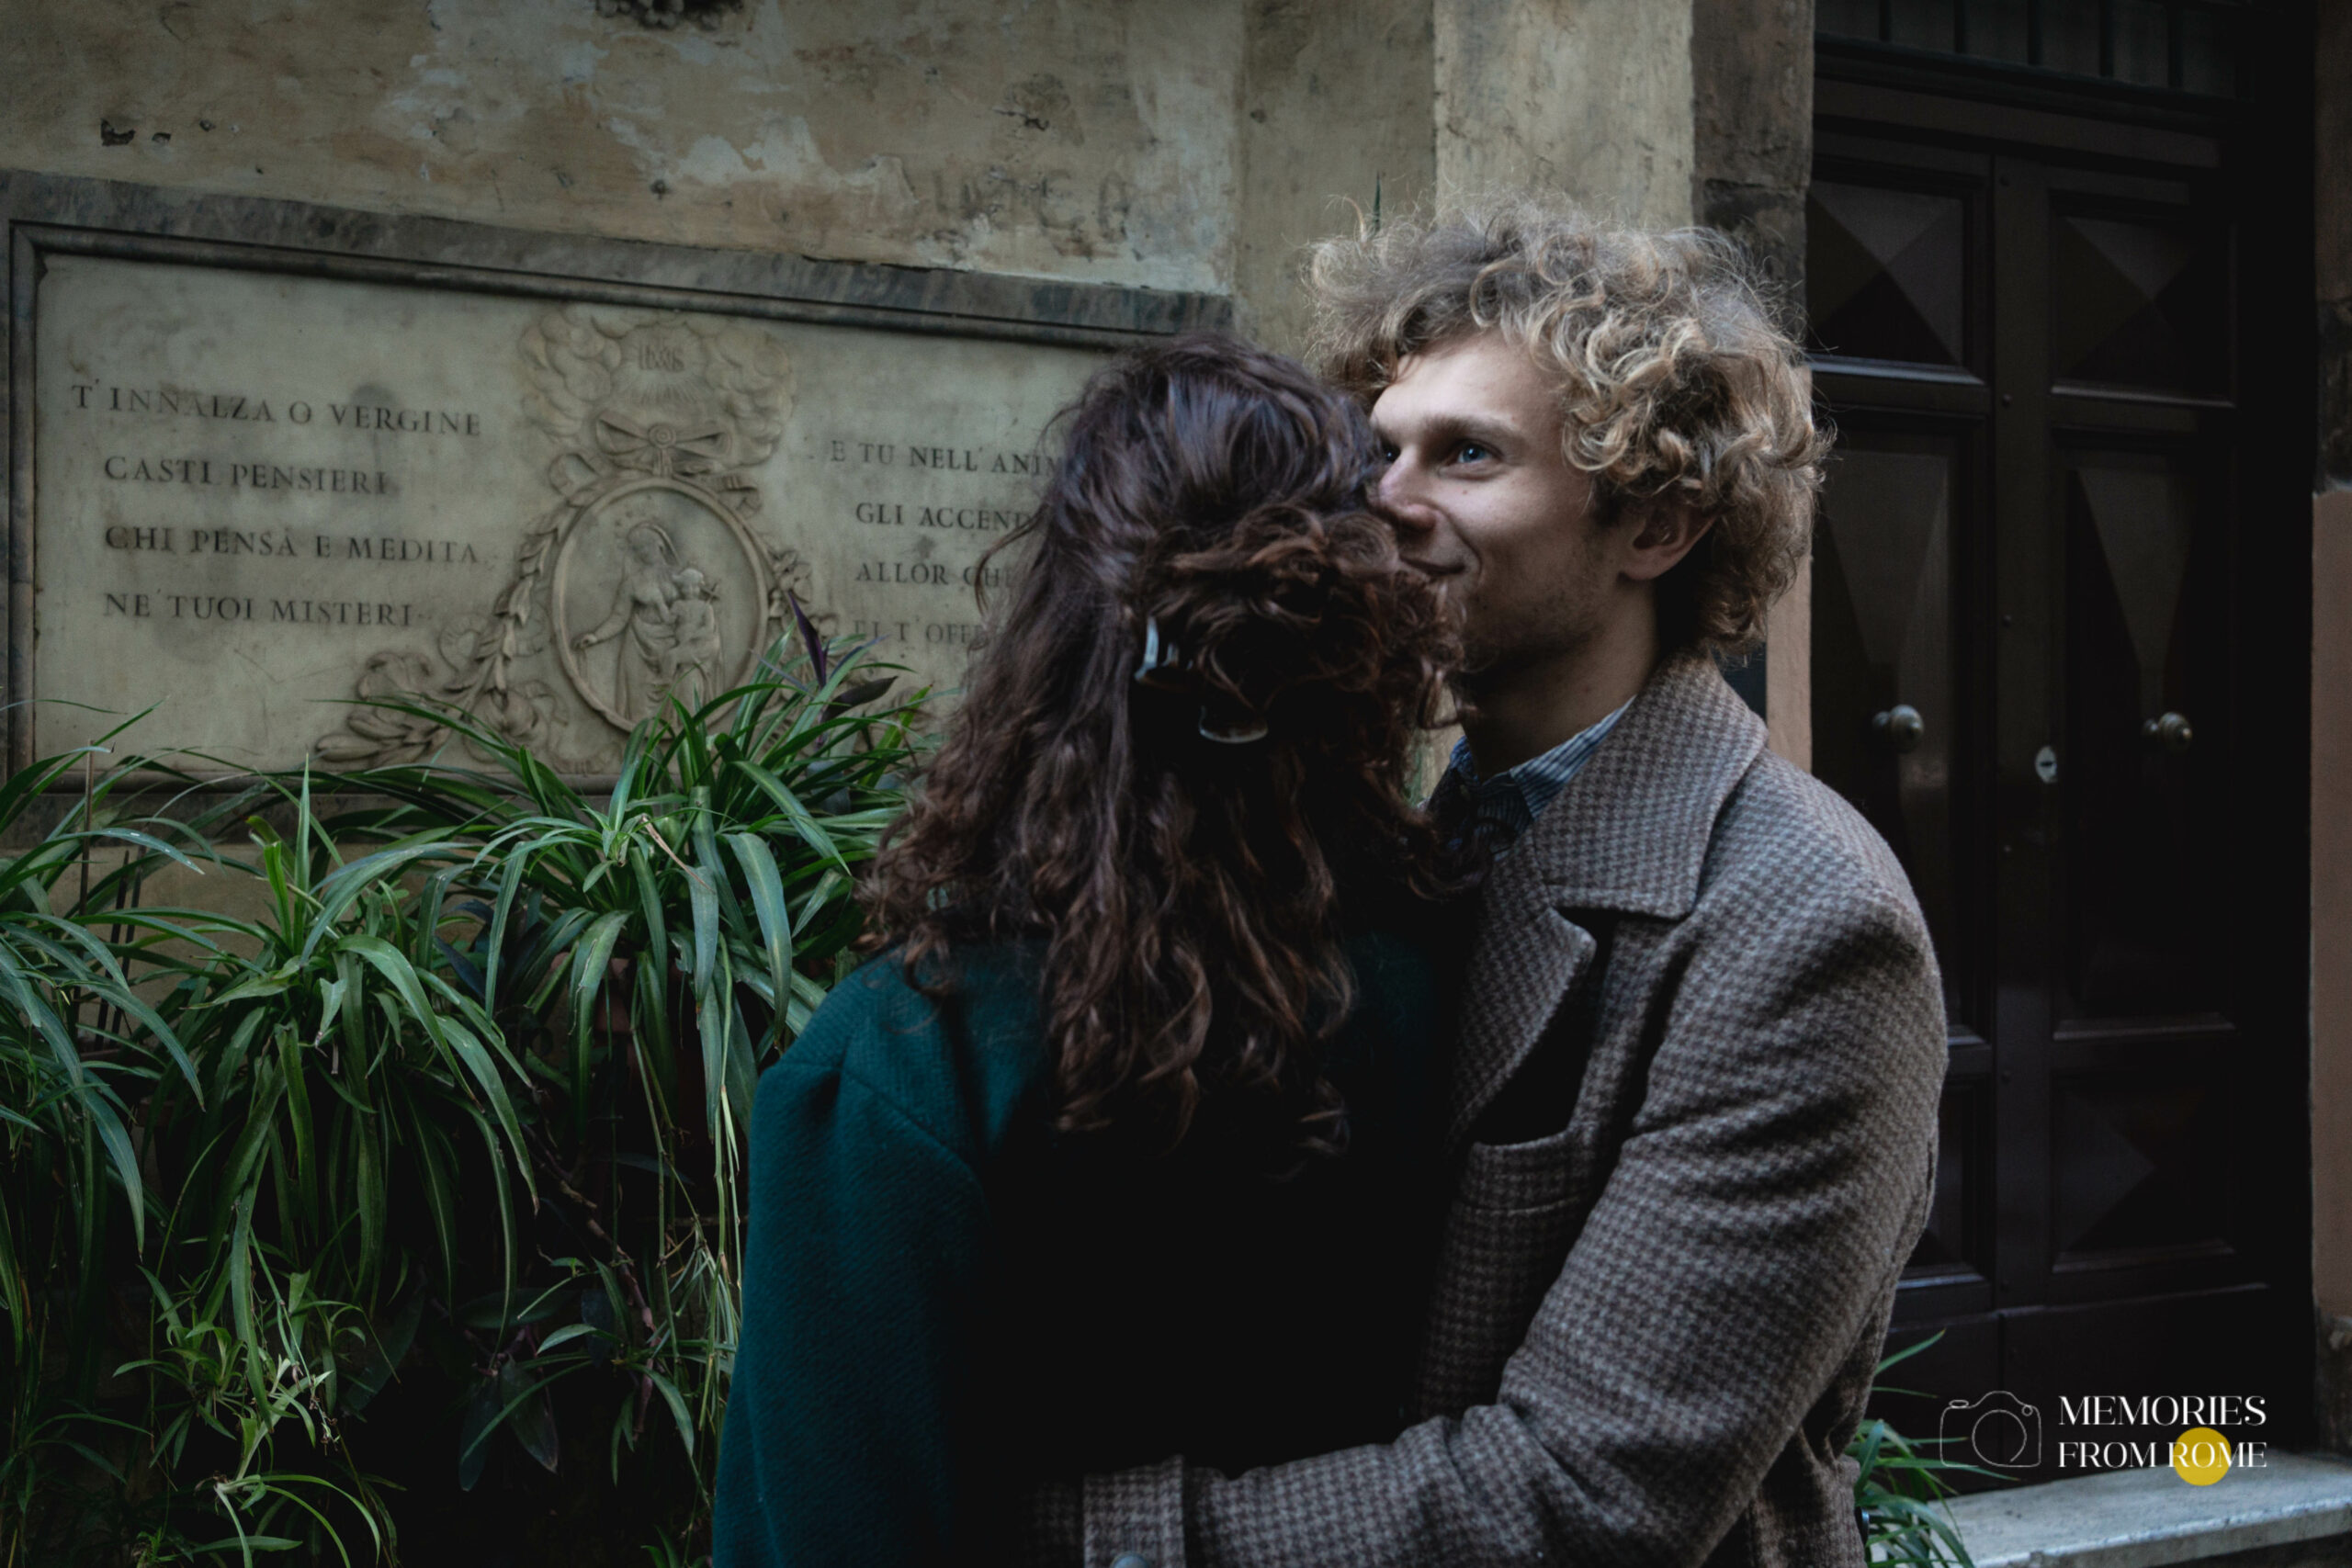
pixel 2201 1456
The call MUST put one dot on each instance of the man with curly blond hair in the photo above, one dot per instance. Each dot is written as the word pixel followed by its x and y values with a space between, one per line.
pixel 1691 1134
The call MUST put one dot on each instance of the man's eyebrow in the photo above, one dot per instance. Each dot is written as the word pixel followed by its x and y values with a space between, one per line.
pixel 1447 430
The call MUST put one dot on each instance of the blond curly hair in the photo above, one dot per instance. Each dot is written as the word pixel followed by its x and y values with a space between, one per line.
pixel 1674 379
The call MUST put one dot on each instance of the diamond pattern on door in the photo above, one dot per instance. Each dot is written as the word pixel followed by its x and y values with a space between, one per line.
pixel 2144 520
pixel 1889 512
pixel 2134 1165
pixel 1884 273
pixel 2141 869
pixel 1882 597
pixel 2137 303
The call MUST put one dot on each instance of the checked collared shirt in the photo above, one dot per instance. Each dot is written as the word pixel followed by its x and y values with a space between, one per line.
pixel 1498 809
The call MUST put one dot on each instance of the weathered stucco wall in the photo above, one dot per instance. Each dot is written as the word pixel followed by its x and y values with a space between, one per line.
pixel 1196 146
pixel 1592 97
pixel 1093 140
pixel 1336 124
pixel 1189 146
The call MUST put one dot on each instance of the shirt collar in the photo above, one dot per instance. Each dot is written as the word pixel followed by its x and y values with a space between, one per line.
pixel 1503 806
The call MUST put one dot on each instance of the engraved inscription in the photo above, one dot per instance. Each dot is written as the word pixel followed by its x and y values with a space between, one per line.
pixel 262 496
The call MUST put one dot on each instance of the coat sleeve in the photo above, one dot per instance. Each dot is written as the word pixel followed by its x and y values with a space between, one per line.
pixel 1761 1205
pixel 854 1368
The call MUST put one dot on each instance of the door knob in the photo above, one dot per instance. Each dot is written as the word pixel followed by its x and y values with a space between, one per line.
pixel 1900 728
pixel 2172 732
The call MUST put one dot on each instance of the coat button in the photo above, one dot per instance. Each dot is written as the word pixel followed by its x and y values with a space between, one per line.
pixel 1130 1560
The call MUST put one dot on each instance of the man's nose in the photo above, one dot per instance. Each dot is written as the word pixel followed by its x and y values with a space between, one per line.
pixel 1403 496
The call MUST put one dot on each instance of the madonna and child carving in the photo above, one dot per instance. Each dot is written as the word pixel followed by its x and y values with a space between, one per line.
pixel 657 422
pixel 664 629
pixel 262 496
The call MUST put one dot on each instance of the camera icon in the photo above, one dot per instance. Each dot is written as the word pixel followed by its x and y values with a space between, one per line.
pixel 2001 1430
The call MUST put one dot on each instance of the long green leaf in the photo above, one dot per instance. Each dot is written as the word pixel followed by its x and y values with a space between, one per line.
pixel 767 903
pixel 447 1034
pixel 124 1159
pixel 803 822
pixel 677 1403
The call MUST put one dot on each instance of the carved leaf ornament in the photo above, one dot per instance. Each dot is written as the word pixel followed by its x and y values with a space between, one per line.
pixel 645 576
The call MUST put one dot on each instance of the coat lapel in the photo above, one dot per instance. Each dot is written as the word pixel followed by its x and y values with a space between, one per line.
pixel 1628 835
pixel 1525 960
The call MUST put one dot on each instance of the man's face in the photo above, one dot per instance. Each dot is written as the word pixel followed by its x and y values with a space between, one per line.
pixel 1484 500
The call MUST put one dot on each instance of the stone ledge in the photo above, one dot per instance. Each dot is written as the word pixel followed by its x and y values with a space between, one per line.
pixel 2148 1518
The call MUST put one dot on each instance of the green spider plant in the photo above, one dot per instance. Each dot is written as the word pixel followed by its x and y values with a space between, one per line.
pixel 1901 1495
pixel 645 954
pixel 428 1174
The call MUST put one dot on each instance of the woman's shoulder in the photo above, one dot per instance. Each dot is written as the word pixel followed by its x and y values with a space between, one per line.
pixel 1411 962
pixel 956 1048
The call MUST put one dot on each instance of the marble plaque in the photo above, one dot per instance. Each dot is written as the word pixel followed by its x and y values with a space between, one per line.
pixel 256 494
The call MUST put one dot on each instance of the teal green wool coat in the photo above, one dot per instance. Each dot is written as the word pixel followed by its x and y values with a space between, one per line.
pixel 945 1301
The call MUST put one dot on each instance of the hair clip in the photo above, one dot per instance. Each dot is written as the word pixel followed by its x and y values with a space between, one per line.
pixel 1230 737
pixel 1162 668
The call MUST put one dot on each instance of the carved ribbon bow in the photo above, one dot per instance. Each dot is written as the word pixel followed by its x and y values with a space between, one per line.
pixel 661 449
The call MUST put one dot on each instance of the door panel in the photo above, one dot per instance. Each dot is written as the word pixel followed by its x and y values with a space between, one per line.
pixel 1900 552
pixel 1955 1249
pixel 2138 298
pixel 2032 536
pixel 2129 1163
pixel 2147 581
pixel 1886 271
pixel 1883 577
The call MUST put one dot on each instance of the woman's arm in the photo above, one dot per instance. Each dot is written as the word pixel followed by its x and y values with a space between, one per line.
pixel 624 606
pixel 848 1436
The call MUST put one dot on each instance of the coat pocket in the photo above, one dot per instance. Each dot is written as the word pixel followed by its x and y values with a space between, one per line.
pixel 1516 1212
pixel 1518 1176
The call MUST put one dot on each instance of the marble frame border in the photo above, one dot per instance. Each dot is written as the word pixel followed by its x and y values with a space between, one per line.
pixel 51 214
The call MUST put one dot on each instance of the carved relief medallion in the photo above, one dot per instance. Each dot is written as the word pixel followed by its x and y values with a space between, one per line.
pixel 659 591
pixel 646 580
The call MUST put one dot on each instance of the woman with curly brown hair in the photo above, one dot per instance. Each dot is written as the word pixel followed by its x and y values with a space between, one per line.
pixel 1121 1149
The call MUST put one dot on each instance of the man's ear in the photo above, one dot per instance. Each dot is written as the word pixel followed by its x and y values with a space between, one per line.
pixel 1665 533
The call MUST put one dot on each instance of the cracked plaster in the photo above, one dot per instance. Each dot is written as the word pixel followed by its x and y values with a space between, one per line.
pixel 1093 143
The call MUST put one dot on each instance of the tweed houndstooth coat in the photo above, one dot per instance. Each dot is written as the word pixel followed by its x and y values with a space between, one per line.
pixel 1691 1143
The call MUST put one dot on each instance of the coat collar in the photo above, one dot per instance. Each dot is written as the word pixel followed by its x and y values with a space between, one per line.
pixel 1628 835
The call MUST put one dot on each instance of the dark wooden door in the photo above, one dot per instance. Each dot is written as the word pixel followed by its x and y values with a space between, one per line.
pixel 2039 594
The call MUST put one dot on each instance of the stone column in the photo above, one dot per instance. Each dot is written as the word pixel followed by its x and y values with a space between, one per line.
pixel 1751 65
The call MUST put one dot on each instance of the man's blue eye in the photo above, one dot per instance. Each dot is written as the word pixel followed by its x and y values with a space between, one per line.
pixel 1471 452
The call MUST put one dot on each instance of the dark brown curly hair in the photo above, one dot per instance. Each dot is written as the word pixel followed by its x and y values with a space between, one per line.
pixel 1187 891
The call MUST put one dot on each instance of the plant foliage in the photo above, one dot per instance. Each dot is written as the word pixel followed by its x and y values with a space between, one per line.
pixel 421 1172
pixel 1900 1494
